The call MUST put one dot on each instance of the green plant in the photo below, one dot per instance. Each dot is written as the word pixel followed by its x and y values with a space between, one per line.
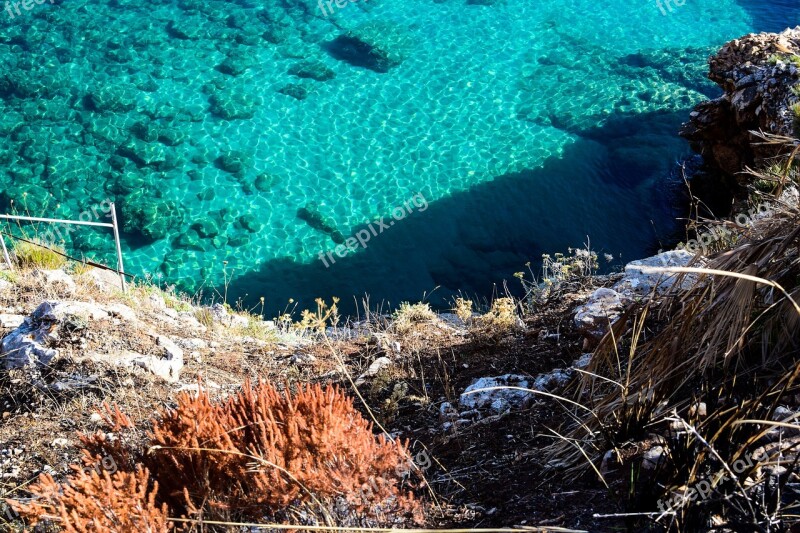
pixel 176 303
pixel 204 316
pixel 501 318
pixel 463 309
pixel 317 321
pixel 409 315
pixel 35 254
pixel 257 329
pixel 795 108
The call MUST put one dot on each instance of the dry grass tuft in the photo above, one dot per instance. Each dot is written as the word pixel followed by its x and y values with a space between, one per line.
pixel 36 254
pixel 728 344
pixel 408 316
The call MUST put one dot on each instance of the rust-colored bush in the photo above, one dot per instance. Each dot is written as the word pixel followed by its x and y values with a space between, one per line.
pixel 262 452
pixel 96 503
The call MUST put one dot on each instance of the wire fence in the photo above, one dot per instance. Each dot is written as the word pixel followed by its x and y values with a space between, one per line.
pixel 120 270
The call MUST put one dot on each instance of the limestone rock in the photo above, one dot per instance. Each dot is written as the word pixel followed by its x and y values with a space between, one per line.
pixel 757 77
pixel 56 279
pixel 377 366
pixel 603 308
pixel 498 400
pixel 636 282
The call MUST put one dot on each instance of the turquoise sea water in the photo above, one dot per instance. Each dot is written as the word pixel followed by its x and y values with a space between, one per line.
pixel 242 139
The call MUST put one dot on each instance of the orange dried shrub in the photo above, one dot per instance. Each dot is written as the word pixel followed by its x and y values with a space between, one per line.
pixel 91 502
pixel 121 444
pixel 262 453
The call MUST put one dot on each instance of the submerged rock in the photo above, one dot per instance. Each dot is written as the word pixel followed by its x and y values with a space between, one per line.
pixel 378 46
pixel 312 70
pixel 151 219
pixel 311 215
pixel 235 103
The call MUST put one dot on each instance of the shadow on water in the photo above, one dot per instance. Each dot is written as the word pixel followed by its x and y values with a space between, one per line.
pixel 773 15
pixel 602 186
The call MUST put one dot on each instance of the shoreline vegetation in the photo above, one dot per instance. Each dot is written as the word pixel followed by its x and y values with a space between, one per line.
pixel 665 397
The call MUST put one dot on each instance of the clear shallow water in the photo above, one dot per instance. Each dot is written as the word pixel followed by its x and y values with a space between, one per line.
pixel 526 127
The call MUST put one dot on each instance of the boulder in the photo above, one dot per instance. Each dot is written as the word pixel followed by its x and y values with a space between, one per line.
pixel 498 400
pixel 378 365
pixel 639 283
pixel 757 74
pixel 606 305
pixel 57 280
pixel 602 309
pixel 31 343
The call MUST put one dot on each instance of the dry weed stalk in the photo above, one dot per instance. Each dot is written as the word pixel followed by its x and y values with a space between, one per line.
pixel 728 342
pixel 96 503
pixel 263 453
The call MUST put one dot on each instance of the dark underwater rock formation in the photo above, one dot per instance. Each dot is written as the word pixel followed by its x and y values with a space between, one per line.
pixel 311 215
pixel 377 46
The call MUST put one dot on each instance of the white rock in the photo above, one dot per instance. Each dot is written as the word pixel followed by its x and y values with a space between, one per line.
pixel 193 344
pixel 53 312
pixel 602 309
pixel 121 311
pixel 194 387
pixel 165 369
pixel 552 380
pixel 157 301
pixel 653 458
pixel 302 359
pixel 497 400
pixel 11 321
pixel 61 443
pixel 105 280
pixel 447 412
pixel 171 351
pixel 57 279
pixel 27 346
pixel 377 365
pixel 583 361
pixel 638 283
pixel 231 320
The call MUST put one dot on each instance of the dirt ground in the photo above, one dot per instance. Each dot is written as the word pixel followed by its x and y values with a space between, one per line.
pixel 489 472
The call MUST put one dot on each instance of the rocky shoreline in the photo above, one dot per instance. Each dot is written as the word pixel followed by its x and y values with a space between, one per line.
pixel 758 74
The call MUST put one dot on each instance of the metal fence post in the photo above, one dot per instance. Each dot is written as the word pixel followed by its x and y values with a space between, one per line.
pixel 5 253
pixel 120 266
